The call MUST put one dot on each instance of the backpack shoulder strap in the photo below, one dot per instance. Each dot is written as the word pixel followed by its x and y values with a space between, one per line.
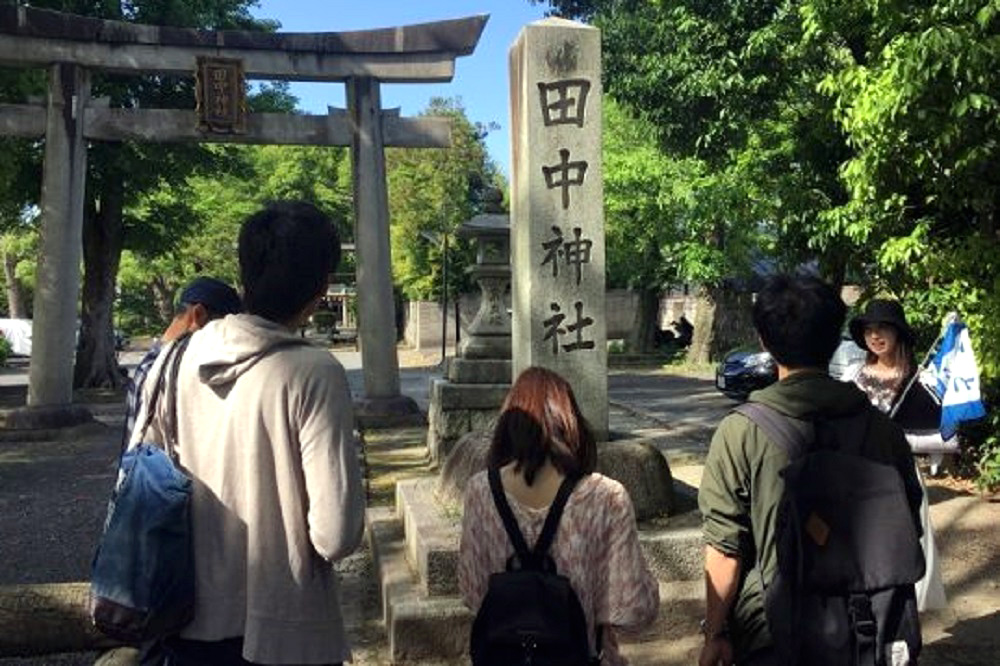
pixel 171 435
pixel 551 525
pixel 507 516
pixel 793 435
pixel 167 373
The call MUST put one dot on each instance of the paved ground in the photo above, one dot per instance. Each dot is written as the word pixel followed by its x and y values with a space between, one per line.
pixel 53 495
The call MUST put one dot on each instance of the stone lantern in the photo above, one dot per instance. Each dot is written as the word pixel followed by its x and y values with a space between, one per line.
pixel 488 336
pixel 469 397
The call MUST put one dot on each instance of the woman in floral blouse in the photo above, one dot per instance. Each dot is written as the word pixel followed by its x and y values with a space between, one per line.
pixel 540 438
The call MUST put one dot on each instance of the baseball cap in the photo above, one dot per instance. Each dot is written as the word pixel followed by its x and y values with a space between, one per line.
pixel 215 295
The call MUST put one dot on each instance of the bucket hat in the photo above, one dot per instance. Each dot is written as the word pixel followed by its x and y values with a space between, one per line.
pixel 881 311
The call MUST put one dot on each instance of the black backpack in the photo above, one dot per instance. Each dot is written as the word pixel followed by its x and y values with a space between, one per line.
pixel 530 614
pixel 848 551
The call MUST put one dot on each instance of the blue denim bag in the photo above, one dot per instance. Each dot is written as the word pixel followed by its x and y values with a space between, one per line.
pixel 142 578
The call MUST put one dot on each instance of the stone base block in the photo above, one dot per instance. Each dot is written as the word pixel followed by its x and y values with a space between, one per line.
pixel 430 528
pixel 644 472
pixel 431 536
pixel 453 396
pixel 476 371
pixel 420 629
pixel 425 628
pixel 44 417
pixel 487 346
pixel 674 554
pixel 392 412
pixel 47 619
pixel 450 416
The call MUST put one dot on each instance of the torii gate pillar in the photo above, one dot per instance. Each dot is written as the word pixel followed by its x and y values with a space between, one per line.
pixel 58 283
pixel 376 306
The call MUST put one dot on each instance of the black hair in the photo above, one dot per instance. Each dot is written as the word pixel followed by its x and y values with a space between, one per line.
pixel 287 251
pixel 799 320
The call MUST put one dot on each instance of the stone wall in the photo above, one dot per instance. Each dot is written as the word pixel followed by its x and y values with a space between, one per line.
pixel 423 321
pixel 423 318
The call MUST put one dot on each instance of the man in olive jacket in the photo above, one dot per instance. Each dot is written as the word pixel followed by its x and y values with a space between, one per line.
pixel 798 320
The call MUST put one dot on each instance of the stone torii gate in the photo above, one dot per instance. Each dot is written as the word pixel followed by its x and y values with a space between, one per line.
pixel 72 46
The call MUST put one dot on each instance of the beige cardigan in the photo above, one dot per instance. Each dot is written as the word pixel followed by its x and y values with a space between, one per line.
pixel 266 432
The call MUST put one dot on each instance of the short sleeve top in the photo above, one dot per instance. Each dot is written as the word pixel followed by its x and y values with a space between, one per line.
pixel 596 547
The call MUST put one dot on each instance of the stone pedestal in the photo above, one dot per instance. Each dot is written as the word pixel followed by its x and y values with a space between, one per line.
pixel 388 412
pixel 460 408
pixel 489 333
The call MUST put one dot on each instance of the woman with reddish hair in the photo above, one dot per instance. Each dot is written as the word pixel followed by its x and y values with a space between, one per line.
pixel 541 440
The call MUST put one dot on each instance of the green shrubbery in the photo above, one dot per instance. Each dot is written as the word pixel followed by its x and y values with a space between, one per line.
pixel 5 350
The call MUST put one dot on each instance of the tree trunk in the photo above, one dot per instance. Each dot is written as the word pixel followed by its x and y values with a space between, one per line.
pixel 722 321
pixel 163 297
pixel 642 336
pixel 96 363
pixel 16 301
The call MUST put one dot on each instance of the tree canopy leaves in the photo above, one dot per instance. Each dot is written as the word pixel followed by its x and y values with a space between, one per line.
pixel 858 136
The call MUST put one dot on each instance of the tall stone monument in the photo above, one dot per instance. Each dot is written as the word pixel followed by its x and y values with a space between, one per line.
pixel 557 215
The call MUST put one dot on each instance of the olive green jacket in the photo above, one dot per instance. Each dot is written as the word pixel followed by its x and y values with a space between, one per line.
pixel 741 485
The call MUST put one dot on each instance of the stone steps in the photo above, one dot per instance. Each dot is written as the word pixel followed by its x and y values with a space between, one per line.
pixel 435 629
pixel 431 536
pixel 419 628
pixel 415 547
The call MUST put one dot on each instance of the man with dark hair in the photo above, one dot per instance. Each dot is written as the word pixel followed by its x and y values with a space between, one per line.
pixel 265 430
pixel 201 301
pixel 798 320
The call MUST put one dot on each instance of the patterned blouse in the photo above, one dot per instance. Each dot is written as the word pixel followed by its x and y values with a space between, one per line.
pixel 596 547
pixel 881 390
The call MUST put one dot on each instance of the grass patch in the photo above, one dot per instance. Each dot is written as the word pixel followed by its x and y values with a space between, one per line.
pixel 392 456
pixel 685 368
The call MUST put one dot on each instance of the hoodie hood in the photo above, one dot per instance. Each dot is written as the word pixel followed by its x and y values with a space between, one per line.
pixel 228 347
pixel 808 394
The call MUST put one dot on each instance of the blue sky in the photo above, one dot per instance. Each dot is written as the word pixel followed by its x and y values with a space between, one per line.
pixel 480 79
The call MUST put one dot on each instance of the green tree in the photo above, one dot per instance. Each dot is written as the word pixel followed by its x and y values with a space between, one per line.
pixel 119 174
pixel 858 134
pixel 916 91
pixel 209 207
pixel 432 192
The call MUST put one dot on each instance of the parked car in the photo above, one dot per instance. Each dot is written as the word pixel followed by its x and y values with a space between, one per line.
pixel 744 370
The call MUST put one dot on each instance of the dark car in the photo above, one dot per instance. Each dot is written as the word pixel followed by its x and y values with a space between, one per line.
pixel 745 370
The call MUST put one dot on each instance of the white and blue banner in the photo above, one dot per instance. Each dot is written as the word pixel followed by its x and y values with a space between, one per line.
pixel 957 379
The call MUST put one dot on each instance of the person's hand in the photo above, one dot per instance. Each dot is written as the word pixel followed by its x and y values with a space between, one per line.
pixel 717 651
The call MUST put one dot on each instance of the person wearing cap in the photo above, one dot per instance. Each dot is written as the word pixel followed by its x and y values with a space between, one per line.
pixel 264 429
pixel 883 332
pixel 201 301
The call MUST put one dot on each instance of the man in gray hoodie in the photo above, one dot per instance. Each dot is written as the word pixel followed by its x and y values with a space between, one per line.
pixel 265 429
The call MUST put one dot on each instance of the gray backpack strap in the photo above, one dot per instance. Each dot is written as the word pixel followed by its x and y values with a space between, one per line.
pixel 793 435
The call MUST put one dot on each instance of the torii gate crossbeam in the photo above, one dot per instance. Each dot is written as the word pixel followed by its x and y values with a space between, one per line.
pixel 72 46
